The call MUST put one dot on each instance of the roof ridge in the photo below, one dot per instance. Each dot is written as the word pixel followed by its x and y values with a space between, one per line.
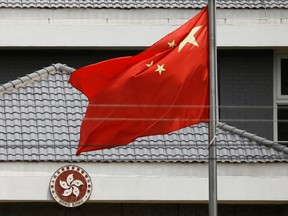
pixel 37 75
pixel 254 137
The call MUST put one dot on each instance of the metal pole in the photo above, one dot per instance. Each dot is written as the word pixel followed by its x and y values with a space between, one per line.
pixel 213 110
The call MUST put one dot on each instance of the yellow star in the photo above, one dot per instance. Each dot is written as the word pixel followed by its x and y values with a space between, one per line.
pixel 190 38
pixel 150 64
pixel 172 44
pixel 160 69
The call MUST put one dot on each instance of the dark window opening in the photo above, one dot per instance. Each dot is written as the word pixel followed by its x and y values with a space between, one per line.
pixel 19 62
pixel 283 124
pixel 284 76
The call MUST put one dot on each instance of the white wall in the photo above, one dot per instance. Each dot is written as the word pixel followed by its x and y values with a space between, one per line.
pixel 134 28
pixel 152 182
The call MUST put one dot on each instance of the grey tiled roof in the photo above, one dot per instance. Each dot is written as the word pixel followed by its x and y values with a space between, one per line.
pixel 41 113
pixel 127 4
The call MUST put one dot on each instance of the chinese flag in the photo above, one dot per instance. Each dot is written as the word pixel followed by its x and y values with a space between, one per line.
pixel 162 89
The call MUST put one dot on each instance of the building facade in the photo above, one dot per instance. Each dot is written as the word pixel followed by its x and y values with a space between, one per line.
pixel 166 174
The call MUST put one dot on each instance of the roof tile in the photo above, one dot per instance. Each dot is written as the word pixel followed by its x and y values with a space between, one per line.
pixel 128 4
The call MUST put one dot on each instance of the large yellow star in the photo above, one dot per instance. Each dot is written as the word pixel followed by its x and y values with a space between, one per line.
pixel 190 38
pixel 160 69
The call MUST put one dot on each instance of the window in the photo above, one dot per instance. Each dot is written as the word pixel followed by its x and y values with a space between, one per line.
pixel 282 124
pixel 281 99
pixel 284 76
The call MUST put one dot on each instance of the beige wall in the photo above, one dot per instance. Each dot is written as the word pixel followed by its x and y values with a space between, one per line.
pixel 152 182
pixel 135 28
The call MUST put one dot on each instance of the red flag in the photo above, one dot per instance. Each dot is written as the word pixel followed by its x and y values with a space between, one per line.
pixel 162 89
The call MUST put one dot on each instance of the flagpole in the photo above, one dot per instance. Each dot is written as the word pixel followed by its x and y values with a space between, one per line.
pixel 213 110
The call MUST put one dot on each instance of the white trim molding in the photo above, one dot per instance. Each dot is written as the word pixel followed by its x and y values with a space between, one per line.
pixel 114 28
pixel 152 182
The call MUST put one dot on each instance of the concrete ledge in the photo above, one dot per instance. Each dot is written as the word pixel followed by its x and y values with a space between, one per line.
pixel 152 182
pixel 133 36
pixel 135 28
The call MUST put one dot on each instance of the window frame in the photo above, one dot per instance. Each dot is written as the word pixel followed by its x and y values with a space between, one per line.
pixel 278 76
pixel 278 98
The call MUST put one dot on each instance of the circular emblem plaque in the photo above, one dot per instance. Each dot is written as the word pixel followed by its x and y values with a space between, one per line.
pixel 70 186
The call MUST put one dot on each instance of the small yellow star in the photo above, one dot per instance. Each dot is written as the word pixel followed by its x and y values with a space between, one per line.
pixel 150 64
pixel 160 69
pixel 172 44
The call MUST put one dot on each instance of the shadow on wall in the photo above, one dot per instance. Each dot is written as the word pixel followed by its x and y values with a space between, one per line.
pixel 16 63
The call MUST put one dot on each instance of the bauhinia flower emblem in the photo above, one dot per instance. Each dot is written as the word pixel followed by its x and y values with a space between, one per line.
pixel 71 186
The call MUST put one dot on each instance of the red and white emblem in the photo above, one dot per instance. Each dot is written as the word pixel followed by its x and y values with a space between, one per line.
pixel 70 186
